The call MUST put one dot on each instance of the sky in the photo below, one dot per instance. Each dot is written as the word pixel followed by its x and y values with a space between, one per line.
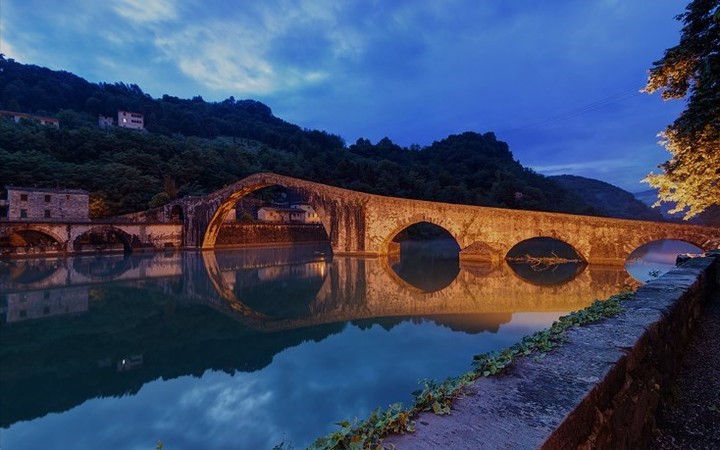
pixel 558 80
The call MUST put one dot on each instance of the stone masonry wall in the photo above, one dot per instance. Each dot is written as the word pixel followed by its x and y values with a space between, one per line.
pixel 269 233
pixel 599 390
pixel 620 411
pixel 47 204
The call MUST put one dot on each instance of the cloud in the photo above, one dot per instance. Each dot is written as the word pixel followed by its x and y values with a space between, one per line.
pixel 261 48
pixel 7 47
pixel 145 11
pixel 603 165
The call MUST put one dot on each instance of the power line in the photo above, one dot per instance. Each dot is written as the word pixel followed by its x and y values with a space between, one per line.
pixel 580 110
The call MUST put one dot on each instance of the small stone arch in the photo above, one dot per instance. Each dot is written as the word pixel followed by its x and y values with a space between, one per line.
pixel 701 241
pixel 176 213
pixel 388 246
pixel 109 233
pixel 30 239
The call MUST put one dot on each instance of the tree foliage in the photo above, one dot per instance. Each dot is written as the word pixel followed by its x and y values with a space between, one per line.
pixel 194 147
pixel 691 178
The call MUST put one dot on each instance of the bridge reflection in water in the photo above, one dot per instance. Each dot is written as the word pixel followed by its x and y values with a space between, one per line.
pixel 323 291
pixel 99 327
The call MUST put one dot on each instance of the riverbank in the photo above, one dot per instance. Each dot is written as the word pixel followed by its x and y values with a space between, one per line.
pixel 600 389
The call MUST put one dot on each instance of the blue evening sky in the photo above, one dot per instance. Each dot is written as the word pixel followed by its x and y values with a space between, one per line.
pixel 558 80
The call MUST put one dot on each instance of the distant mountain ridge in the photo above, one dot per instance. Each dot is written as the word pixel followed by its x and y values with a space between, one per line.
pixel 609 199
pixel 710 217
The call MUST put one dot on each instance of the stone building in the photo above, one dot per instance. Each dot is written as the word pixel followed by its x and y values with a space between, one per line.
pixel 127 119
pixel 41 204
pixel 280 215
pixel 37 304
pixel 105 121
pixel 310 214
pixel 297 213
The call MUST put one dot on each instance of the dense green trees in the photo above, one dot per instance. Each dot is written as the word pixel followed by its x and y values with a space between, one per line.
pixel 692 176
pixel 194 147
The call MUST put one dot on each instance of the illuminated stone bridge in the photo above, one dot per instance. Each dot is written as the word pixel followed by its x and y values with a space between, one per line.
pixel 364 224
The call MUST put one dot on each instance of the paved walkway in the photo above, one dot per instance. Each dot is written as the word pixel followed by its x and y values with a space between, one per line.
pixel 691 419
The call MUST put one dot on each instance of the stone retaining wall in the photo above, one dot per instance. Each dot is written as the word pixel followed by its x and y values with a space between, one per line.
pixel 599 390
pixel 255 234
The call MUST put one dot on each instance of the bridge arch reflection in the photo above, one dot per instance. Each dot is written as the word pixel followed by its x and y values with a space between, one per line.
pixel 359 288
pixel 426 266
pixel 334 289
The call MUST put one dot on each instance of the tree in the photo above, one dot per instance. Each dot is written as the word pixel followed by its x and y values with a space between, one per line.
pixel 692 176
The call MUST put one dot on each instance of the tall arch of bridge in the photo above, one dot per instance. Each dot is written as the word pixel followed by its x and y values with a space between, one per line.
pixel 340 211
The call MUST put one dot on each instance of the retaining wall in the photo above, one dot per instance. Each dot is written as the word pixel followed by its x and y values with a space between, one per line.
pixel 599 390
pixel 254 234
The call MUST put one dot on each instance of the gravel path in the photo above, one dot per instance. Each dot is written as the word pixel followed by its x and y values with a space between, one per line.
pixel 691 420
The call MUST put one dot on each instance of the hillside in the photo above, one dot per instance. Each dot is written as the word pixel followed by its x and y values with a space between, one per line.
pixel 608 199
pixel 193 147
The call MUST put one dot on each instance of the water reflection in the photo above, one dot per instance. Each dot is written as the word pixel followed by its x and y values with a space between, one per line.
pixel 418 258
pixel 212 349
pixel 33 271
pixel 547 275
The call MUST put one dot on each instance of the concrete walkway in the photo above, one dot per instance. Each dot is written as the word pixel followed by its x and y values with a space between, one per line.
pixel 690 419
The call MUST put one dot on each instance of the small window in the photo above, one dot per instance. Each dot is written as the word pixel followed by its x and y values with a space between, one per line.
pixel 23 213
pixel 23 313
pixel 47 199
pixel 47 213
pixel 46 310
pixel 23 197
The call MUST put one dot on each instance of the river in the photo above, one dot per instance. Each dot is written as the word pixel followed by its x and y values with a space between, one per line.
pixel 250 348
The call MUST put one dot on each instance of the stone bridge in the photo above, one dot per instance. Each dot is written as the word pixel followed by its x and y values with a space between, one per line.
pixel 364 224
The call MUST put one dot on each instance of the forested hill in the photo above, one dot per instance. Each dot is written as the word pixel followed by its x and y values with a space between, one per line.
pixel 610 199
pixel 194 147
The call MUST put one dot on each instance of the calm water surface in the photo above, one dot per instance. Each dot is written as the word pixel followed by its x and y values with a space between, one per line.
pixel 249 348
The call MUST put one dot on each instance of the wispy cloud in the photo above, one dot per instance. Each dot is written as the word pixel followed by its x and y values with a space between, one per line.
pixel 7 47
pixel 262 49
pixel 603 166
pixel 145 11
